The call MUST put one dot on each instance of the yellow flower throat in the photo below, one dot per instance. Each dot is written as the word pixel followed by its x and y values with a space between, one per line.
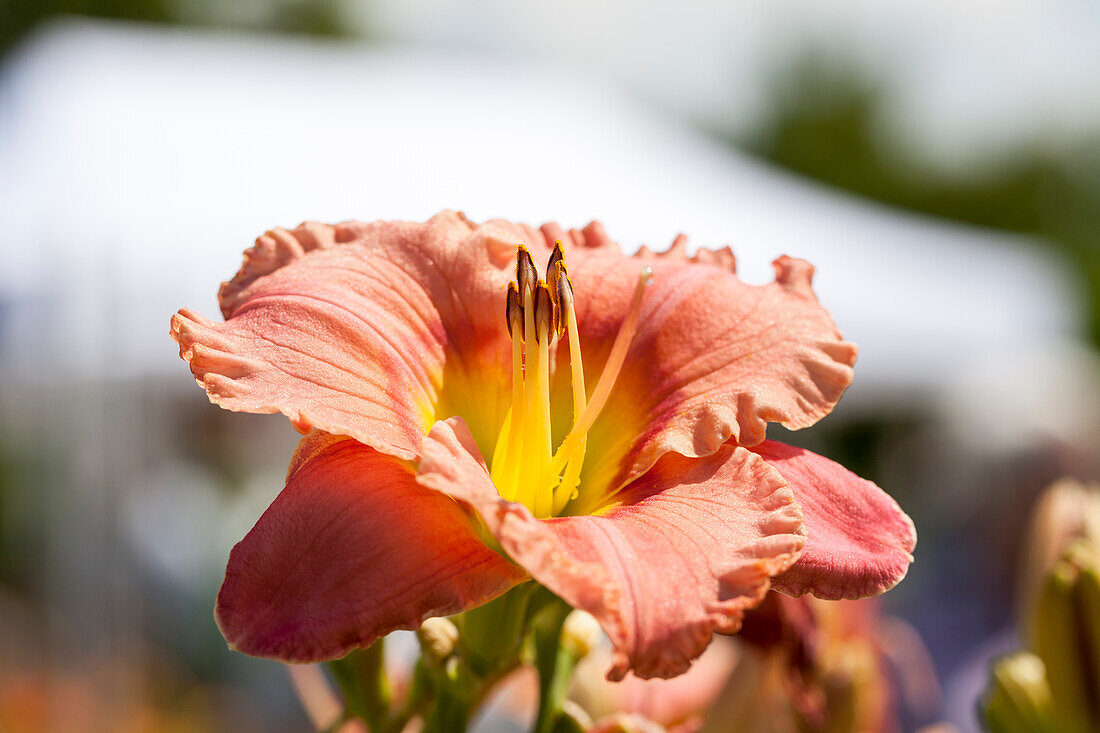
pixel 525 466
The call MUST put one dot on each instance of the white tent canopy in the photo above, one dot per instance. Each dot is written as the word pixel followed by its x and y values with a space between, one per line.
pixel 137 163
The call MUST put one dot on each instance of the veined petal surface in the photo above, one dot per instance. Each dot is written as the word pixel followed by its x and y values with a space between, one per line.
pixel 378 330
pixel 859 542
pixel 714 358
pixel 352 549
pixel 693 544
pixel 366 330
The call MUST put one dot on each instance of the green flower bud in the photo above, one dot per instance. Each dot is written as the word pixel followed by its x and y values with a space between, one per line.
pixel 1087 597
pixel 438 637
pixel 1018 698
pixel 580 633
pixel 1064 631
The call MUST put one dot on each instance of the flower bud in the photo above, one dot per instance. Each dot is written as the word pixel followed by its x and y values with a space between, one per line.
pixel 438 637
pixel 1064 631
pixel 1087 597
pixel 580 633
pixel 573 719
pixel 1065 511
pixel 1018 697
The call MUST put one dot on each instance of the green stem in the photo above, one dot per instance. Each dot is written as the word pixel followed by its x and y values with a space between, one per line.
pixel 449 715
pixel 492 634
pixel 456 688
pixel 361 676
pixel 554 663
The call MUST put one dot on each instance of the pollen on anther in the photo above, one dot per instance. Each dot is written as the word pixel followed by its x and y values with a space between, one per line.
pixel 562 290
pixel 546 311
pixel 526 275
pixel 558 255
pixel 513 312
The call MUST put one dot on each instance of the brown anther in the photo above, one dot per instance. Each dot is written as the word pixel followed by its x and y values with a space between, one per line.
pixel 563 299
pixel 546 312
pixel 513 311
pixel 526 274
pixel 562 290
pixel 558 255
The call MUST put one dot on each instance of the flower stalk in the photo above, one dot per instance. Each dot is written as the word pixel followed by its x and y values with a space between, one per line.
pixel 554 661
pixel 361 676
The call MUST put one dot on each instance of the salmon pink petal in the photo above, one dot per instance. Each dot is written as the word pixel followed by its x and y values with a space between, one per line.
pixel 859 542
pixel 693 544
pixel 714 358
pixel 352 549
pixel 366 330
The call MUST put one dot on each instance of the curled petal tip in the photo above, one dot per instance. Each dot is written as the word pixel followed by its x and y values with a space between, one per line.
pixel 794 274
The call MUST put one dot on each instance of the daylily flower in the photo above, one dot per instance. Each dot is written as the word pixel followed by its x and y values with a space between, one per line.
pixel 601 431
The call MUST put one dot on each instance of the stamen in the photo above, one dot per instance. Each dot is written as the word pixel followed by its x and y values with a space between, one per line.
pixel 567 489
pixel 558 282
pixel 506 455
pixel 513 312
pixel 526 274
pixel 607 379
pixel 525 468
pixel 558 255
pixel 530 462
pixel 546 312
pixel 544 494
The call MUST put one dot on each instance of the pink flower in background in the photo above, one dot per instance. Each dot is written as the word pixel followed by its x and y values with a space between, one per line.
pixel 677 705
pixel 601 432
pixel 827 666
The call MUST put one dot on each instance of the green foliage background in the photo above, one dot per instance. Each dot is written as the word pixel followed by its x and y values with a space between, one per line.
pixel 822 124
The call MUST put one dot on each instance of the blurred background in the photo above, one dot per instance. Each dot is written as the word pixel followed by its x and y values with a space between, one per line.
pixel 939 163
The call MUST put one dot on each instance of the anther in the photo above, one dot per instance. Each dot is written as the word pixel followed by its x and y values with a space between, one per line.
pixel 563 296
pixel 513 311
pixel 546 312
pixel 554 272
pixel 558 255
pixel 526 274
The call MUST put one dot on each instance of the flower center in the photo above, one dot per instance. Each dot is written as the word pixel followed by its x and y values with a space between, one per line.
pixel 525 466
